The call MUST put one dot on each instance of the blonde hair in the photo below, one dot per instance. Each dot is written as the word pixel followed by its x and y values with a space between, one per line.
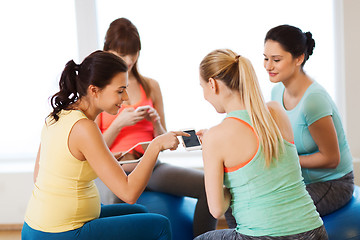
pixel 238 74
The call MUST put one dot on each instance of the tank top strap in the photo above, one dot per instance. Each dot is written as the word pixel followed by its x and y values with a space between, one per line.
pixel 143 93
pixel 237 115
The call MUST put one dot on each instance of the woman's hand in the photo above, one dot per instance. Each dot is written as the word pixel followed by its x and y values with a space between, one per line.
pixel 169 140
pixel 152 115
pixel 201 134
pixel 128 117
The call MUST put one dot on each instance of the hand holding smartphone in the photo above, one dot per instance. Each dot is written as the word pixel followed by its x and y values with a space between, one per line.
pixel 142 108
pixel 192 142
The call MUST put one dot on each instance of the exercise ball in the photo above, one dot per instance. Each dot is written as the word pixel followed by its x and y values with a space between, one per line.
pixel 344 224
pixel 179 210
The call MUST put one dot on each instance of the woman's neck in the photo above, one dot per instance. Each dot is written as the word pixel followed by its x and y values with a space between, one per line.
pixel 297 85
pixel 233 102
pixel 295 89
pixel 85 107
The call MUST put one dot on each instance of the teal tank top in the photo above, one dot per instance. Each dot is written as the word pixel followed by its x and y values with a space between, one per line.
pixel 314 105
pixel 270 201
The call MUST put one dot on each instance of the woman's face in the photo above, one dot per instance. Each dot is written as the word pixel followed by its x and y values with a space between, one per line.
pixel 280 64
pixel 114 94
pixel 130 59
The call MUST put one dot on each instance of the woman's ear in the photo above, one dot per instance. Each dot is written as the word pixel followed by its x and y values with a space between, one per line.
pixel 213 85
pixel 93 90
pixel 300 59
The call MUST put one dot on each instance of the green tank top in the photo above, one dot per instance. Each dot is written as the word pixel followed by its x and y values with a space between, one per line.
pixel 270 201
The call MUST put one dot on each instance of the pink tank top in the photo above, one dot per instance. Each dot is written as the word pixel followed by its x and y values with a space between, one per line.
pixel 130 135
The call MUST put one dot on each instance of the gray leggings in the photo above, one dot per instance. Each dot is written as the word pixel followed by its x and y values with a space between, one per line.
pixel 331 195
pixel 328 196
pixel 232 234
pixel 187 182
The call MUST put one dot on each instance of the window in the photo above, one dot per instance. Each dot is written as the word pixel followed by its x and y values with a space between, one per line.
pixel 38 37
pixel 176 36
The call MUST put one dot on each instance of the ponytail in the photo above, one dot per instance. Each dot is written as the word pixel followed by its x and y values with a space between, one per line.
pixel 68 91
pixel 265 126
pixel 97 69
pixel 238 74
pixel 310 44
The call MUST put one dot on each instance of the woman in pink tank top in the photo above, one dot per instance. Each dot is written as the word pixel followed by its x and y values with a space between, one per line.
pixel 130 126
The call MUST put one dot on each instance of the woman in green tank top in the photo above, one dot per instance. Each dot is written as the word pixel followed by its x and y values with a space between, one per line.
pixel 250 161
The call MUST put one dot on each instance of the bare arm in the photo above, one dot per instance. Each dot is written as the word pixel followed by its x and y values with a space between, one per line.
pixel 324 134
pixel 282 120
pixel 158 117
pixel 86 142
pixel 218 196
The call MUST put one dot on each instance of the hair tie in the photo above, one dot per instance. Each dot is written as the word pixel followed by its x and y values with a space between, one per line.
pixel 237 58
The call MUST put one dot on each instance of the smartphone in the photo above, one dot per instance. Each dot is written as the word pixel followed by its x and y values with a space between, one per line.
pixel 142 108
pixel 192 142
pixel 144 146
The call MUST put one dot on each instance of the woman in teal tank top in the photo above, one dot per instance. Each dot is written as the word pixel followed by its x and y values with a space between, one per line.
pixel 323 150
pixel 250 161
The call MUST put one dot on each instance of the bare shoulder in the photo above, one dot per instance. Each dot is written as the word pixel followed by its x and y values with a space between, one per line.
pixel 85 140
pixel 155 94
pixel 274 105
pixel 211 143
pixel 219 134
pixel 277 112
pixel 86 128
pixel 212 135
pixel 153 83
pixel 282 120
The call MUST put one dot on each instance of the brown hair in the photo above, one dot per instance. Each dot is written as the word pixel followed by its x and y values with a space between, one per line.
pixel 123 37
pixel 292 40
pixel 97 69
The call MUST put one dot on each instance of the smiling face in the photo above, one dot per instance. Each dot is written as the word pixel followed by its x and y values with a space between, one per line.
pixel 280 64
pixel 114 94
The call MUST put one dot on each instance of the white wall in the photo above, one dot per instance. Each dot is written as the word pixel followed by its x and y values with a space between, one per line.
pixel 16 183
pixel 351 50
pixel 16 179
pixel 351 73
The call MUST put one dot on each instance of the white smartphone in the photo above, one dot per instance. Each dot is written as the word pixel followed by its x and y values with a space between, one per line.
pixel 192 142
pixel 129 161
pixel 142 108
pixel 144 145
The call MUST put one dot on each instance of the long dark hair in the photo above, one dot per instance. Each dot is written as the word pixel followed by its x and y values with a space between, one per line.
pixel 97 69
pixel 293 40
pixel 123 37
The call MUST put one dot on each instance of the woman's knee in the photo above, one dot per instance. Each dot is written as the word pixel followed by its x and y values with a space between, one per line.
pixel 120 209
pixel 162 226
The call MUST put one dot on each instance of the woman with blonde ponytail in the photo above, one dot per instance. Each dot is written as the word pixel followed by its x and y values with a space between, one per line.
pixel 250 161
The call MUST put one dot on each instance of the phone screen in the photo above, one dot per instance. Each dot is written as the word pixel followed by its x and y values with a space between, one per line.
pixel 191 141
